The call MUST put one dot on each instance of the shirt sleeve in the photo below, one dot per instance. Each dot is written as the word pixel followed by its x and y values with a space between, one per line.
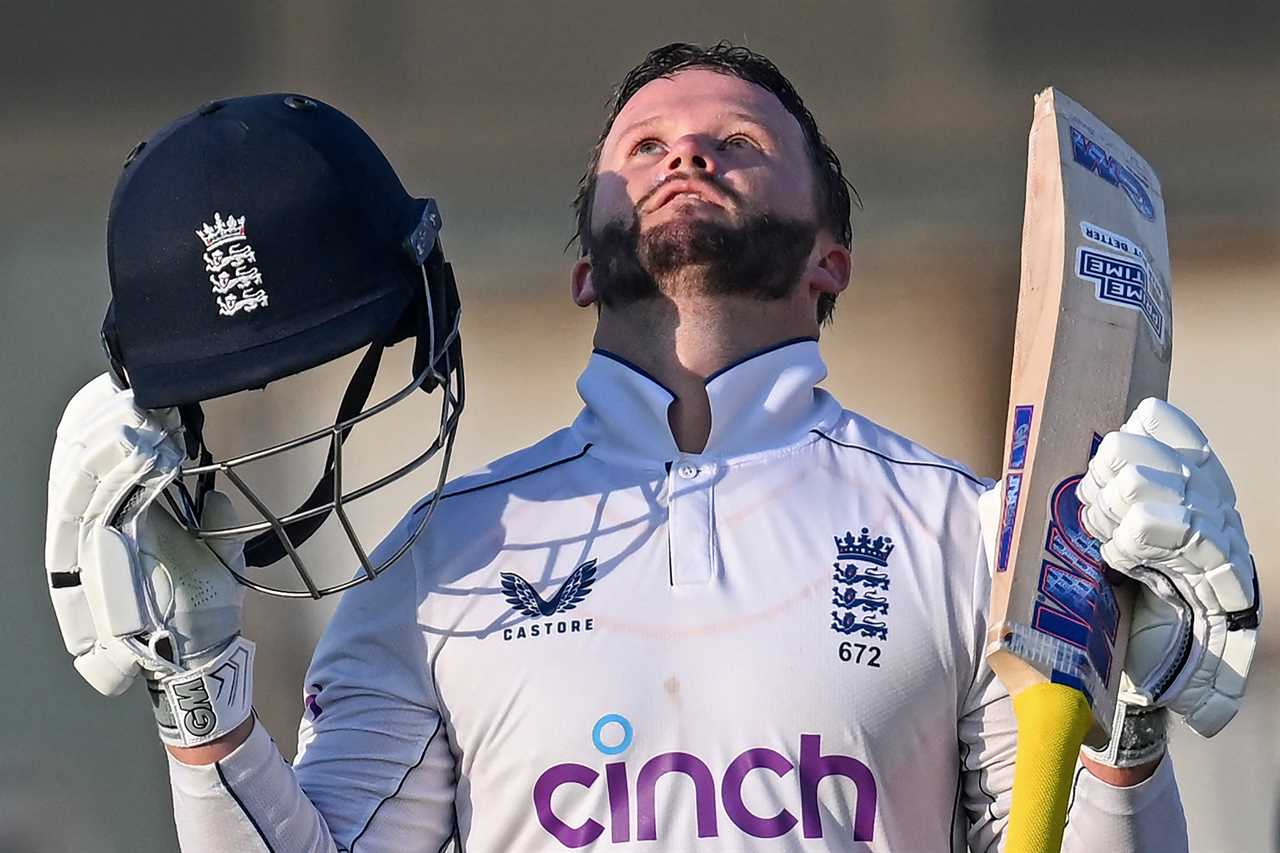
pixel 1146 816
pixel 374 771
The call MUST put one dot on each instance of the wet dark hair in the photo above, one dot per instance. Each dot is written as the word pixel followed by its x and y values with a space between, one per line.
pixel 833 189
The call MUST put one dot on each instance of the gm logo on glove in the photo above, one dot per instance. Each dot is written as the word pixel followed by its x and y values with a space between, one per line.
pixel 199 718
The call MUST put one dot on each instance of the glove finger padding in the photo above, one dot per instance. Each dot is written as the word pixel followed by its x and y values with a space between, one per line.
pixel 88 399
pixel 1204 549
pixel 106 450
pixel 1170 426
pixel 1186 648
pixel 109 666
pixel 1132 485
pixel 1117 450
pixel 1159 501
pixel 134 590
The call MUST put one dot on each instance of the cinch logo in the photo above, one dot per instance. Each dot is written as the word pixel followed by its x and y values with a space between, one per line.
pixel 524 599
pixel 812 769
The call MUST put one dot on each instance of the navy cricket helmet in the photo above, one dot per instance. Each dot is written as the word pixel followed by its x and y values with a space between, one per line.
pixel 251 240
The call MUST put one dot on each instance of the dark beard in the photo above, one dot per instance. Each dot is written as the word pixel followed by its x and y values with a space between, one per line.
pixel 762 258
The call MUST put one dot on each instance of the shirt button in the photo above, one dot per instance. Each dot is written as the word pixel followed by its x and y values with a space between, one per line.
pixel 687 471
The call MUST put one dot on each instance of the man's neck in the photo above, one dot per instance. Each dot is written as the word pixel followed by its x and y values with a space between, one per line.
pixel 682 342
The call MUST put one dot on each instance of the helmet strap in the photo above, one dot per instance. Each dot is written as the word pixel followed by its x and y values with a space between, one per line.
pixel 266 548
pixel 193 437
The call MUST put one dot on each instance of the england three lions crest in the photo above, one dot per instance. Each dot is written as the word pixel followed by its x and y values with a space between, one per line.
pixel 232 266
pixel 862 583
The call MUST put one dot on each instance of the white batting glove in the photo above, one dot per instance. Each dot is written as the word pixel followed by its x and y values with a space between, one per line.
pixel 1159 502
pixel 132 590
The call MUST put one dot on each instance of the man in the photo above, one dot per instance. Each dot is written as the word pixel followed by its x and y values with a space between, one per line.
pixel 631 631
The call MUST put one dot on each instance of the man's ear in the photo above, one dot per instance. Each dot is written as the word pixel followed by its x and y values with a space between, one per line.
pixel 833 269
pixel 581 289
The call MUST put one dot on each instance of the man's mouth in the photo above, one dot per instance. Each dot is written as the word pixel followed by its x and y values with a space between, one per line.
pixel 679 189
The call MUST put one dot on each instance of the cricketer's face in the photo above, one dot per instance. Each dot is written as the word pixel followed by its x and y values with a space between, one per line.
pixel 704 186
pixel 703 145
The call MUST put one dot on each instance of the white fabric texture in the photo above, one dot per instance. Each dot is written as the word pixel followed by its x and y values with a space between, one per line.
pixel 601 642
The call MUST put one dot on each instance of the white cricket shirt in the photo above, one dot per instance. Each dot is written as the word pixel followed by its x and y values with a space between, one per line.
pixel 603 643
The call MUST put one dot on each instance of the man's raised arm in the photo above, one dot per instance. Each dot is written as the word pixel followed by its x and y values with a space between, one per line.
pixel 373 760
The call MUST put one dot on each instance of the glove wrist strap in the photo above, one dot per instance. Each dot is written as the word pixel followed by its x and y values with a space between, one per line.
pixel 1140 739
pixel 206 702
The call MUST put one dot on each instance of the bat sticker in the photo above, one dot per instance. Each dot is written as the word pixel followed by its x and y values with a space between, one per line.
pixel 1127 283
pixel 1076 603
pixel 1021 435
pixel 1012 495
pixel 1112 240
pixel 1095 158
pixel 1019 438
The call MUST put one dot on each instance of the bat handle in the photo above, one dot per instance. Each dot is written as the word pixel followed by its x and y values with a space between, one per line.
pixel 1053 720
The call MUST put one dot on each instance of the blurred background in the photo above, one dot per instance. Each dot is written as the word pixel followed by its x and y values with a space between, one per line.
pixel 492 108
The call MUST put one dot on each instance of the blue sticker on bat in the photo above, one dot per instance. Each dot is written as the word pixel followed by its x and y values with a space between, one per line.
pixel 1021 437
pixel 1096 159
pixel 1076 603
pixel 1070 608
pixel 1009 513
pixel 1060 677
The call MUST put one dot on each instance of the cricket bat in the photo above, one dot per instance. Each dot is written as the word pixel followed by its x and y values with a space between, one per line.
pixel 1093 338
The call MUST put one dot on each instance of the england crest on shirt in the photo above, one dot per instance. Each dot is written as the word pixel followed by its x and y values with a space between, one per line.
pixel 861 595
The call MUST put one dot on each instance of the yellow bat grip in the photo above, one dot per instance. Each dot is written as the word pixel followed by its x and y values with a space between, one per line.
pixel 1052 722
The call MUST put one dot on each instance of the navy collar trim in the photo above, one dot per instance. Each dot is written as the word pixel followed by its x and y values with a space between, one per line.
pixel 630 366
pixel 647 375
pixel 757 354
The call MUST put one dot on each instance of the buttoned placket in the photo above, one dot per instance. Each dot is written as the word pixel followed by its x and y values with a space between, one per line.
pixel 691 524
pixel 767 400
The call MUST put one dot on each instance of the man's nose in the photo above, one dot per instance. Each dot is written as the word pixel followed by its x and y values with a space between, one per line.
pixel 691 153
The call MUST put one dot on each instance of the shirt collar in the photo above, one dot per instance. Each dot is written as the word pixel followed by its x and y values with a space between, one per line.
pixel 764 401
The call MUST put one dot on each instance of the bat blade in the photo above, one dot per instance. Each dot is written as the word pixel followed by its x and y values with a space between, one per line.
pixel 1093 338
